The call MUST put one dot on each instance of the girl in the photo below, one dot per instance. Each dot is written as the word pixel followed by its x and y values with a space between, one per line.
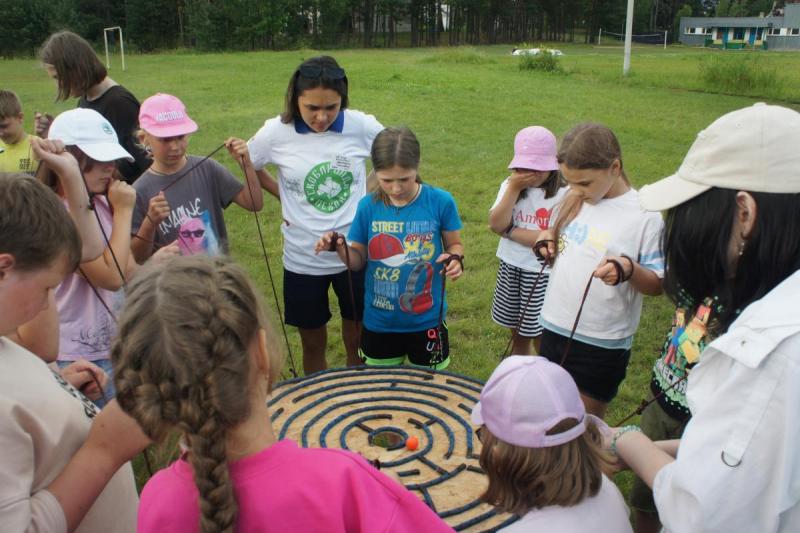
pixel 181 198
pixel 87 298
pixel 58 470
pixel 215 369
pixel 602 232
pixel 733 228
pixel 319 146
pixel 402 232
pixel 522 209
pixel 542 453
pixel 78 73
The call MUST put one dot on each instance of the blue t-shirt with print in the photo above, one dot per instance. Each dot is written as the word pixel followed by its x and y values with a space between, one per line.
pixel 403 282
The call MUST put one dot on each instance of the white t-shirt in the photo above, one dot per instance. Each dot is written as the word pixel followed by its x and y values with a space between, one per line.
pixel 533 213
pixel 321 178
pixel 606 511
pixel 611 227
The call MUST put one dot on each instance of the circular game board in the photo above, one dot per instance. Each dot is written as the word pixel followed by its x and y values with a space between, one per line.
pixel 373 410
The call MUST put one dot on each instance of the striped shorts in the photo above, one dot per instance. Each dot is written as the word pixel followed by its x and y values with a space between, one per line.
pixel 510 295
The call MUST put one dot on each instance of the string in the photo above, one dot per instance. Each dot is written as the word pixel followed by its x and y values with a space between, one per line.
pixel 195 165
pixel 515 334
pixel 293 369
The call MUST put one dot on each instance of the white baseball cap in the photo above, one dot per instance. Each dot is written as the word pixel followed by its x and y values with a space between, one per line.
pixel 753 149
pixel 91 132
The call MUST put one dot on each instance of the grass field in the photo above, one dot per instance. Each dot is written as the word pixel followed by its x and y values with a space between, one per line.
pixel 465 104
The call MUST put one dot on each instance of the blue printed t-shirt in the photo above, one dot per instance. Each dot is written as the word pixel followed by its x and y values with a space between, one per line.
pixel 403 281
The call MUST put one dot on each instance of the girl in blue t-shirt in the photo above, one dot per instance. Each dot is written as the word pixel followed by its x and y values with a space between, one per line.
pixel 406 234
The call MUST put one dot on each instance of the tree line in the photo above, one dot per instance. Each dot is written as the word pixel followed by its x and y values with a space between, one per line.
pixel 150 25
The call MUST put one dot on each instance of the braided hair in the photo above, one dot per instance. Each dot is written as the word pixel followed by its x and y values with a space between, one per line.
pixel 182 362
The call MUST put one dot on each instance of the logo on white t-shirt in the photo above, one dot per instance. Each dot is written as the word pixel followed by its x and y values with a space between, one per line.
pixel 327 188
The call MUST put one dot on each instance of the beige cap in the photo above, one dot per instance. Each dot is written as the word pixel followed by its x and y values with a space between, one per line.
pixel 753 149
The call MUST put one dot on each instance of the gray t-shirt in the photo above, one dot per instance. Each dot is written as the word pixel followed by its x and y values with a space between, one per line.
pixel 196 203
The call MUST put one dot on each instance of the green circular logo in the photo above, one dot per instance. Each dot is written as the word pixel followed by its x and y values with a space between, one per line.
pixel 326 188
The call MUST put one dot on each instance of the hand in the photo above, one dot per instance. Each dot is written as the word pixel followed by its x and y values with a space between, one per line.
pixel 452 269
pixel 85 376
pixel 55 156
pixel 324 242
pixel 545 247
pixel 41 123
pixel 609 273
pixel 121 195
pixel 158 209
pixel 115 436
pixel 522 179
pixel 238 149
pixel 165 253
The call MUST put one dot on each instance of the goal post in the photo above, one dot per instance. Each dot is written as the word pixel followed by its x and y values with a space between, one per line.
pixel 112 29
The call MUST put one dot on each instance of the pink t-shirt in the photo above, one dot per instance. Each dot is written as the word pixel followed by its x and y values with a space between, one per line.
pixel 86 326
pixel 285 488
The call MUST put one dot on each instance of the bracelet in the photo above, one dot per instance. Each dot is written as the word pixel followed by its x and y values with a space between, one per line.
pixel 455 257
pixel 621 432
pixel 633 267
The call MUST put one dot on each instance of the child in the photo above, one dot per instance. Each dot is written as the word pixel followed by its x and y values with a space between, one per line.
pixel 320 147
pixel 88 297
pixel 522 209
pixel 215 368
pixel 179 199
pixel 15 144
pixel 58 469
pixel 543 453
pixel 79 73
pixel 733 229
pixel 402 232
pixel 600 229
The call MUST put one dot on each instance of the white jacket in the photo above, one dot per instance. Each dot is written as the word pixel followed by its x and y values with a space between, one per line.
pixel 738 465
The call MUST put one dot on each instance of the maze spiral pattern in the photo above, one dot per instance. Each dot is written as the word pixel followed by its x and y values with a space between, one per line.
pixel 351 408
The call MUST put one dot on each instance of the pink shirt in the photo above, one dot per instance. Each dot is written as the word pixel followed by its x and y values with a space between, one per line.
pixel 86 326
pixel 289 489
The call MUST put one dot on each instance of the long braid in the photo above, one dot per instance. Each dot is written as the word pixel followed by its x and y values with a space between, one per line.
pixel 182 359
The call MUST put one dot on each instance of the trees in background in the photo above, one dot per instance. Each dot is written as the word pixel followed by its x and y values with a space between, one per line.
pixel 275 24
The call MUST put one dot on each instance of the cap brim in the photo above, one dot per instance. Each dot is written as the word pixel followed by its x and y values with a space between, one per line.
pixel 534 162
pixel 105 151
pixel 669 192
pixel 185 128
pixel 477 417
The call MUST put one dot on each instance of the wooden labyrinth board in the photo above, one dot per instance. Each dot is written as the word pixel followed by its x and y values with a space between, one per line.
pixel 373 410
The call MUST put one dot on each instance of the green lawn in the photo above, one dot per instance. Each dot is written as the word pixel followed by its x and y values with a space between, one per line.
pixel 465 106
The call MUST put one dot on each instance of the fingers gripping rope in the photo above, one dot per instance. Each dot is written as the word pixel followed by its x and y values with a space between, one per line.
pixel 332 248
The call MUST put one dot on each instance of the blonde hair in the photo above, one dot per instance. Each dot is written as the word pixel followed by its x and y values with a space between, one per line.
pixel 10 106
pixel 521 479
pixel 586 146
pixel 394 147
pixel 182 361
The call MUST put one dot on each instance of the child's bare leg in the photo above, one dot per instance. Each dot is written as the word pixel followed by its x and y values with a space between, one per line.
pixel 350 339
pixel 314 342
pixel 595 407
pixel 537 344
pixel 521 345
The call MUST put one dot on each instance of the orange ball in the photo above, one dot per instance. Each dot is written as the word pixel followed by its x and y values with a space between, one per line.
pixel 412 443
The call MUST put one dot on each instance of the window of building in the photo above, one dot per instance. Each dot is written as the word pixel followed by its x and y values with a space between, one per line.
pixel 689 30
pixel 738 34
pixel 774 31
pixel 795 31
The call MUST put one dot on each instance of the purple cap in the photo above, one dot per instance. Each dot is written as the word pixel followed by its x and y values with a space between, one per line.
pixel 525 397
pixel 164 115
pixel 535 149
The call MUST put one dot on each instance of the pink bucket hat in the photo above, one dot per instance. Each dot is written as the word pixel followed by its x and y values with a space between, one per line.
pixel 525 397
pixel 535 149
pixel 164 115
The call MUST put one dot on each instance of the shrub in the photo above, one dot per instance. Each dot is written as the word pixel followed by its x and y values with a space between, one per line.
pixel 463 55
pixel 544 61
pixel 741 73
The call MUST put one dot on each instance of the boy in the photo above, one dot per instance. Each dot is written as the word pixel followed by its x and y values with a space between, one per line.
pixel 15 144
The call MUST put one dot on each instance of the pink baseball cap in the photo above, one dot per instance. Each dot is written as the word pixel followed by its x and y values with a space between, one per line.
pixel 535 149
pixel 164 115
pixel 525 397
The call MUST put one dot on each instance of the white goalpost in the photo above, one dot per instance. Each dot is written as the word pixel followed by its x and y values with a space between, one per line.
pixel 121 44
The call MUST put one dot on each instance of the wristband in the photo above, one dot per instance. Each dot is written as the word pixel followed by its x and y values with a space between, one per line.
pixel 620 432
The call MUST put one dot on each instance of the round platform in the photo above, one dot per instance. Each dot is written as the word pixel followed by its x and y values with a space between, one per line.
pixel 373 410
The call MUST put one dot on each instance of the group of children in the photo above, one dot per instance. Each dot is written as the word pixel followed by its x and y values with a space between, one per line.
pixel 577 253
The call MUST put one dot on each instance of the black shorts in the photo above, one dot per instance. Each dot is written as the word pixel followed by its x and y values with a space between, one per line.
pixel 305 298
pixel 597 371
pixel 421 347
